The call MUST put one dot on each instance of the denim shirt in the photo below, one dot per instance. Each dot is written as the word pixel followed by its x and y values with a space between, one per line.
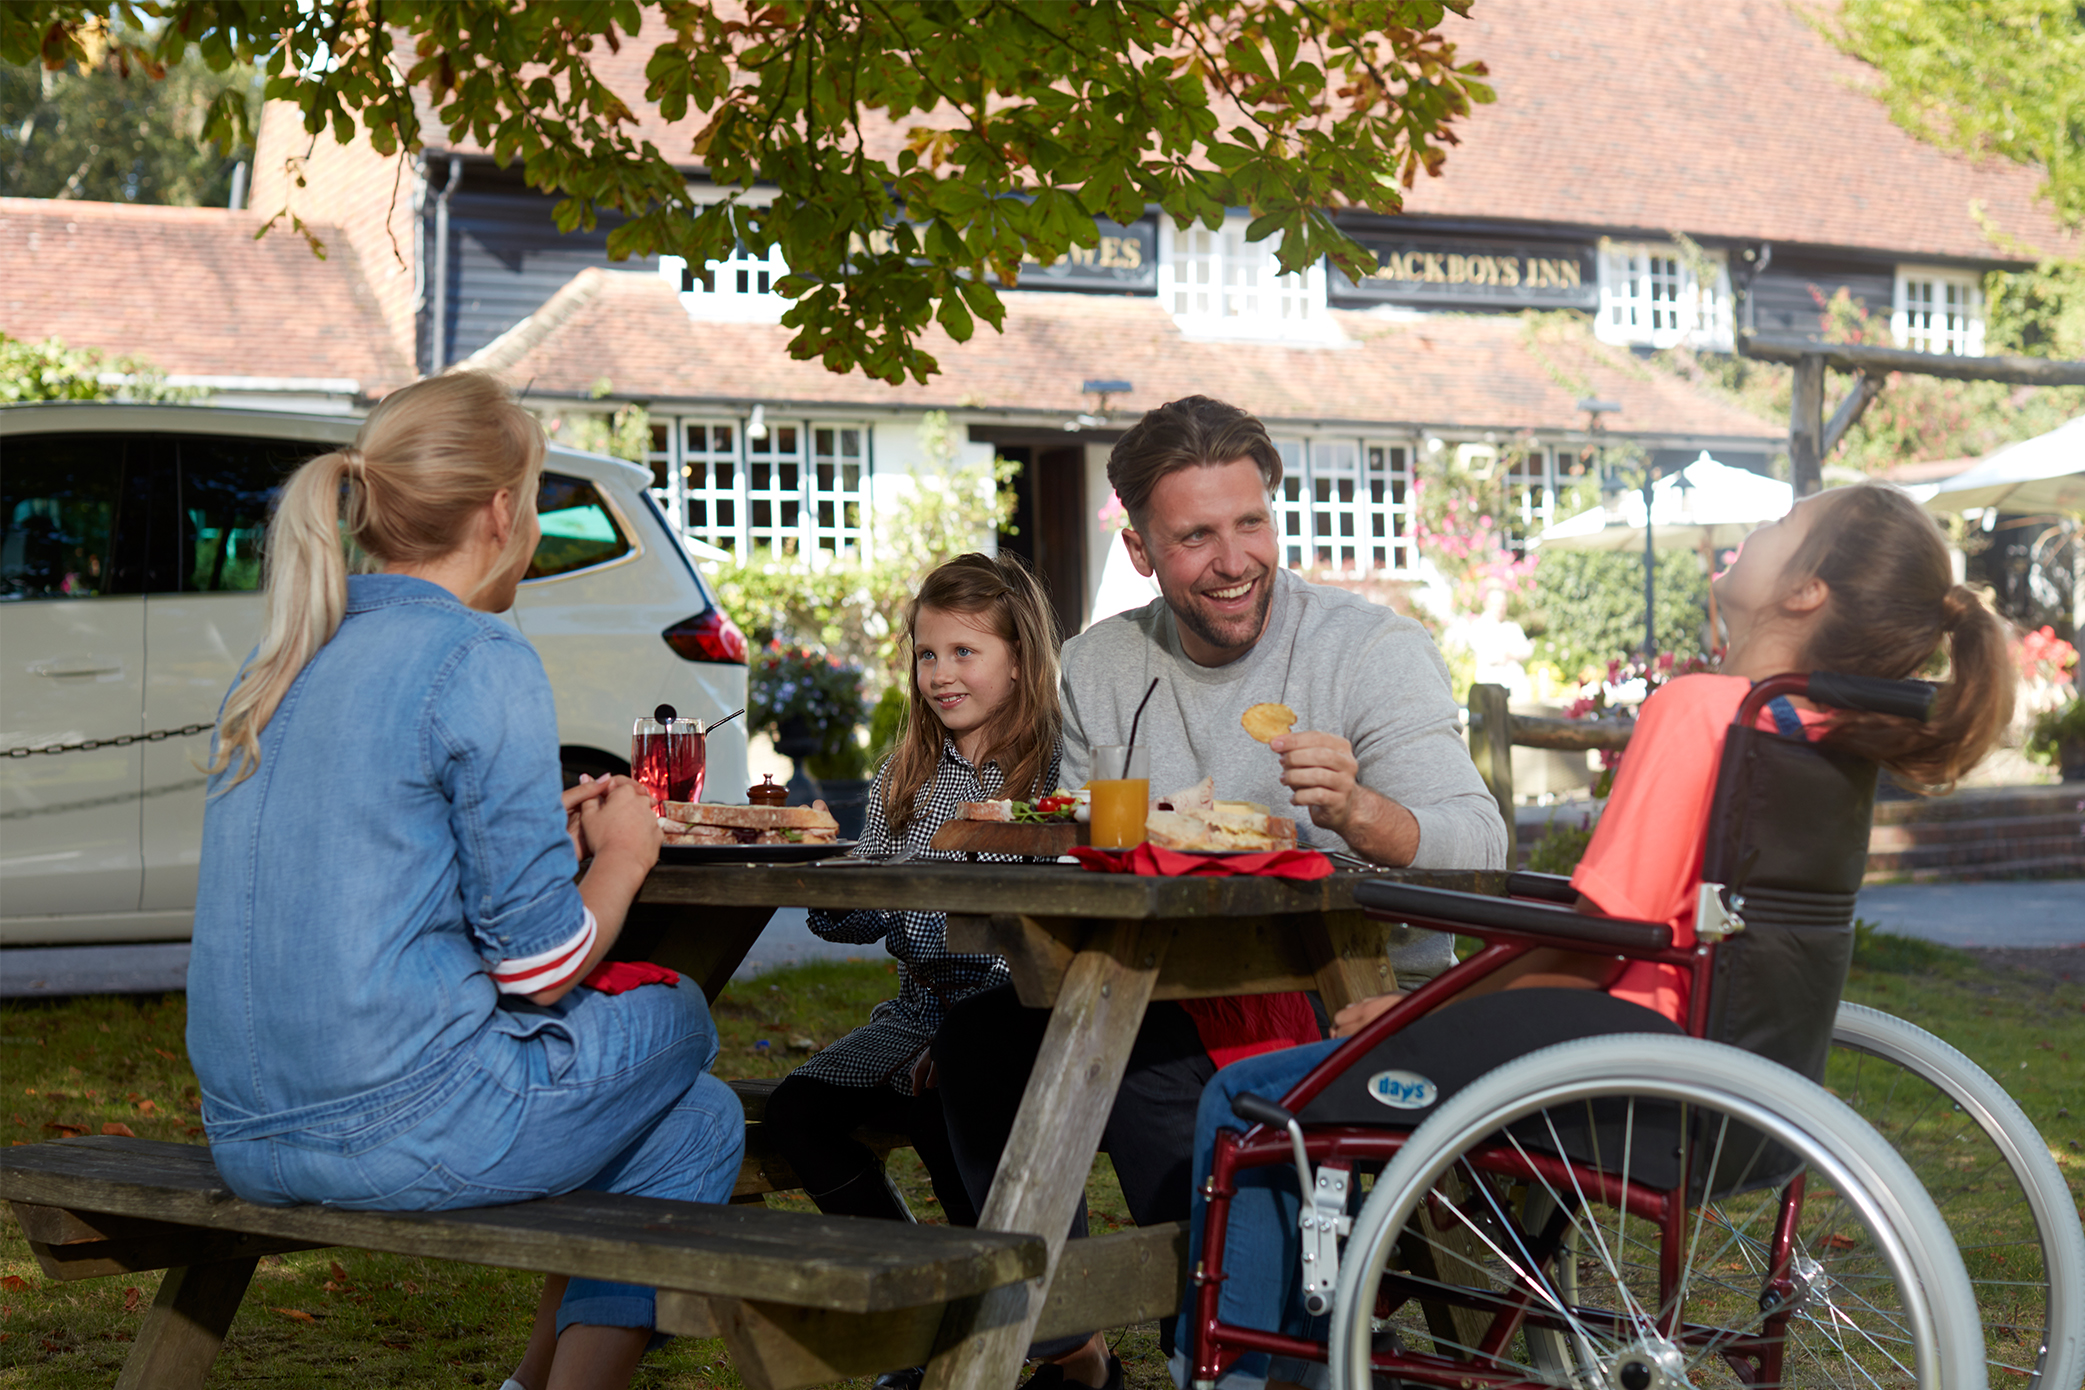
pixel 401 835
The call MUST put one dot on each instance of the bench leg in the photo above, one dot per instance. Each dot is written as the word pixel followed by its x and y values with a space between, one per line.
pixel 186 1326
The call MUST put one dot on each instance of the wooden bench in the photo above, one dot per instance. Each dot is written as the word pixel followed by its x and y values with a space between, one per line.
pixel 799 1299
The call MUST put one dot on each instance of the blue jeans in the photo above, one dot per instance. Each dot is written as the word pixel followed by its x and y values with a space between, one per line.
pixel 1263 1287
pixel 599 1091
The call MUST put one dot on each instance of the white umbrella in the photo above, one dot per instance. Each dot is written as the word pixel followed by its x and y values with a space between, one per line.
pixel 1716 509
pixel 2042 474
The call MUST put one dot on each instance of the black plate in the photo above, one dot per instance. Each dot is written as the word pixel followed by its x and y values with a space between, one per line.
pixel 753 854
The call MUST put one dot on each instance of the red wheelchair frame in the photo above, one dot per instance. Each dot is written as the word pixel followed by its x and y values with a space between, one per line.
pixel 1528 926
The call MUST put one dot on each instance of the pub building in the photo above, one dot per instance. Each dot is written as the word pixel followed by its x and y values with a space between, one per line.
pixel 1655 174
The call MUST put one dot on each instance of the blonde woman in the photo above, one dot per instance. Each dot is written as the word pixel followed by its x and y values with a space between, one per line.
pixel 384 1001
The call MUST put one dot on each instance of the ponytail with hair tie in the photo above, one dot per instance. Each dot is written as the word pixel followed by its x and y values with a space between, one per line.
pixel 447 445
pixel 1956 606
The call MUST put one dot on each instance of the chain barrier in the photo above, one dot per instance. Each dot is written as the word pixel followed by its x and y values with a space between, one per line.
pixel 120 741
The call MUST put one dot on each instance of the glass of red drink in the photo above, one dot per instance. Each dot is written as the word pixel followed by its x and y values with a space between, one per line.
pixel 685 760
pixel 650 765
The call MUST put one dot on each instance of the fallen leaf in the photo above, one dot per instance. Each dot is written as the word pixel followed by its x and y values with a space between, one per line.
pixel 17 1118
pixel 146 1107
pixel 65 1130
pixel 339 1273
pixel 130 1300
pixel 14 1283
pixel 1836 1241
pixel 6 1336
pixel 118 1127
pixel 409 1286
pixel 294 1314
pixel 166 1054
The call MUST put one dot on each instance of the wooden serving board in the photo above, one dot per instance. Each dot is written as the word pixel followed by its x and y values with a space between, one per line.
pixel 1009 837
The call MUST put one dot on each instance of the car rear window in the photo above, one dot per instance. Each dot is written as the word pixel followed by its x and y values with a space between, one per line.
pixel 578 529
pixel 228 488
pixel 76 515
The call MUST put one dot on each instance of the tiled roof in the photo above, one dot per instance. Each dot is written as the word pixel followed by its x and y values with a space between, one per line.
pixel 1712 117
pixel 1715 117
pixel 1443 371
pixel 191 292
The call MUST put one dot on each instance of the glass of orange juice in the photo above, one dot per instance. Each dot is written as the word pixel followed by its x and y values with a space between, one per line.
pixel 1121 787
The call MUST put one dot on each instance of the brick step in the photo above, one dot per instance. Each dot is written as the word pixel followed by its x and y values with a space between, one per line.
pixel 1908 833
pixel 2068 866
pixel 1981 803
pixel 1980 852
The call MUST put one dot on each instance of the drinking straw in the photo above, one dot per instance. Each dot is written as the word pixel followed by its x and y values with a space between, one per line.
pixel 1140 712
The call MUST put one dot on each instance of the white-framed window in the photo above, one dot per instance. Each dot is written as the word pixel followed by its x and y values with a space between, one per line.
pixel 1531 494
pixel 800 488
pixel 1939 310
pixel 710 507
pixel 837 480
pixel 1344 505
pixel 742 287
pixel 1651 296
pixel 1220 283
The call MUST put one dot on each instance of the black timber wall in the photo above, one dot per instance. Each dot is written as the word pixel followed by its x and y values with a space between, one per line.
pixel 506 256
pixel 1782 295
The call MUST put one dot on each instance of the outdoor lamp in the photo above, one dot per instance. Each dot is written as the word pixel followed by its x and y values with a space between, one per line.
pixel 756 423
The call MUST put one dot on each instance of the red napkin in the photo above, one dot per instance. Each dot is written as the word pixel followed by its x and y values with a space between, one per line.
pixel 1152 862
pixel 618 976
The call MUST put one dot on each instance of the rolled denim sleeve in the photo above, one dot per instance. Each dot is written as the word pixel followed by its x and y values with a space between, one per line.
pixel 494 741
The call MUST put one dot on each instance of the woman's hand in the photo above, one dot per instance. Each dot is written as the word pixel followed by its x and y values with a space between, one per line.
pixel 589 789
pixel 1362 1012
pixel 620 823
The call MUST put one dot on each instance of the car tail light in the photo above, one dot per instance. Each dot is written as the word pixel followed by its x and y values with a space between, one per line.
pixel 707 636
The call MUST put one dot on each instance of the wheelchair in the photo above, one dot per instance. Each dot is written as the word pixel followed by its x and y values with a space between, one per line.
pixel 1569 1190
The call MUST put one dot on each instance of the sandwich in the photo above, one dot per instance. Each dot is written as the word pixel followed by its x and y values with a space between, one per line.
pixel 1222 825
pixel 700 823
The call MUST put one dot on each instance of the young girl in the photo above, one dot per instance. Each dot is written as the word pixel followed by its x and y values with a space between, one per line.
pixel 1857 581
pixel 384 1000
pixel 981 722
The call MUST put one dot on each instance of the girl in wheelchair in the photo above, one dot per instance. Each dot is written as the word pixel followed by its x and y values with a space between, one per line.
pixel 1856 580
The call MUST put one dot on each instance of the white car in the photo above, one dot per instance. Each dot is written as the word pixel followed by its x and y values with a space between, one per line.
pixel 129 577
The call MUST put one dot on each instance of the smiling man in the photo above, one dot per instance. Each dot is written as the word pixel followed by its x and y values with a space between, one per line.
pixel 1376 761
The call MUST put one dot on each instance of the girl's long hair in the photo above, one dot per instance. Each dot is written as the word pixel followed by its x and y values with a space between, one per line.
pixel 1022 733
pixel 1892 603
pixel 425 459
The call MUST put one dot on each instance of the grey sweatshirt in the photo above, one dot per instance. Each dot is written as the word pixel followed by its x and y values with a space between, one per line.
pixel 1345 665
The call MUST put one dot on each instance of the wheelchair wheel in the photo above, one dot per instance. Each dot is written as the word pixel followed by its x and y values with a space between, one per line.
pixel 1988 1170
pixel 1575 1284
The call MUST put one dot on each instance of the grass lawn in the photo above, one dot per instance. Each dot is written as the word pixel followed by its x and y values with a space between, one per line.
pixel 338 1317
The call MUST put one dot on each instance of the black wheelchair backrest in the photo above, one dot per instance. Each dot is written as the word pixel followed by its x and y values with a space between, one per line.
pixel 1788 840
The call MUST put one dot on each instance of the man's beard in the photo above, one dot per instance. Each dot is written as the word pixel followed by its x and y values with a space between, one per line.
pixel 1235 634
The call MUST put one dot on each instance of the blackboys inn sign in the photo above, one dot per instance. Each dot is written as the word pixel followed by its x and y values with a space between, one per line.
pixel 1554 275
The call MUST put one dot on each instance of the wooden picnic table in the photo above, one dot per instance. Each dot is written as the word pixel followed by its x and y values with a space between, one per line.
pixel 1095 948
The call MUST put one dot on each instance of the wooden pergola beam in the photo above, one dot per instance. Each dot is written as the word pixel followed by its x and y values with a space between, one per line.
pixel 1793 348
pixel 1811 438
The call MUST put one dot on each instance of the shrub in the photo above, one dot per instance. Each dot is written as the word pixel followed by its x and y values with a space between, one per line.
pixel 1591 605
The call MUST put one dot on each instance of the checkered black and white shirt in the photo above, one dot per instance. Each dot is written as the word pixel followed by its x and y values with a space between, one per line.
pixel 930 977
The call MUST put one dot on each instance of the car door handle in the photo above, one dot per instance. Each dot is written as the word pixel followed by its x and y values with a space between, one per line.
pixel 77 666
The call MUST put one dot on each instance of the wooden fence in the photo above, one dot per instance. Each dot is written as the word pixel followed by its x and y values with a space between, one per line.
pixel 1494 731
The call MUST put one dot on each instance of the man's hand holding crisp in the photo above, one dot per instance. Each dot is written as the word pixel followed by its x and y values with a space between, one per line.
pixel 1319 770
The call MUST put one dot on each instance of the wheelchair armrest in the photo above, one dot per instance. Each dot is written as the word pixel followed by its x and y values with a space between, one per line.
pixel 1456 911
pixel 1550 888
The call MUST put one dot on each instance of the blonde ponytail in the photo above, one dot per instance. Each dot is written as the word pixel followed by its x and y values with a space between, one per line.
pixel 426 459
